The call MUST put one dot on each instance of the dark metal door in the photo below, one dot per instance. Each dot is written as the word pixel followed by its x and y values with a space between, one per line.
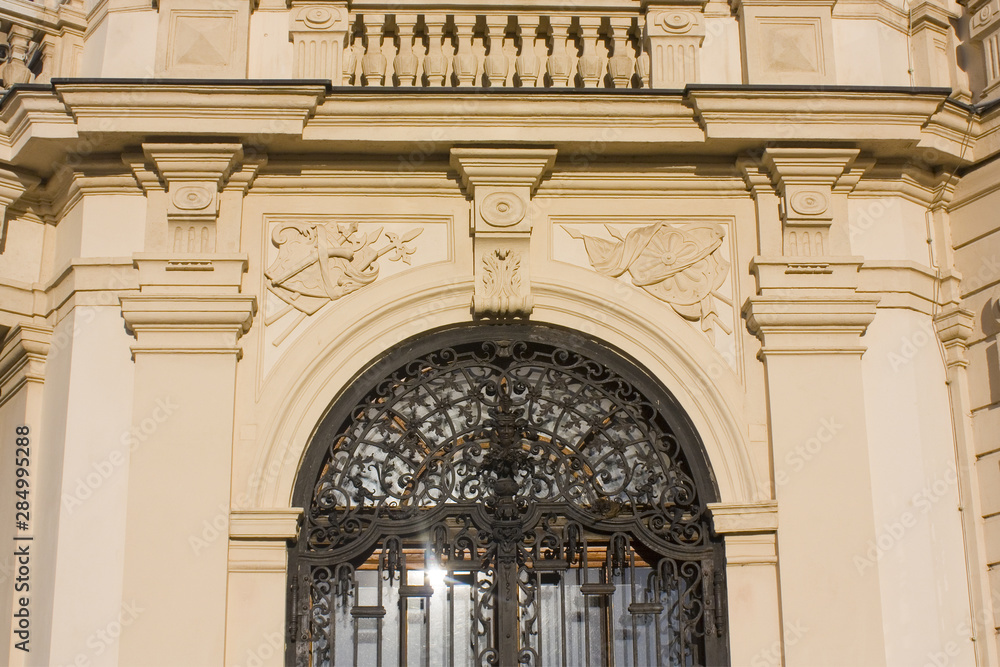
pixel 505 503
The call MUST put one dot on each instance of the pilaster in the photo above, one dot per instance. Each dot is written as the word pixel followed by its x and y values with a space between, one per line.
pixel 935 49
pixel 676 31
pixel 187 318
pixel 23 357
pixel 984 33
pixel 318 34
pixel 955 326
pixel 258 581
pixel 810 320
pixel 501 183
pixel 750 533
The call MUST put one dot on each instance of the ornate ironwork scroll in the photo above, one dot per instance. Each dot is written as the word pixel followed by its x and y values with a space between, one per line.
pixel 518 497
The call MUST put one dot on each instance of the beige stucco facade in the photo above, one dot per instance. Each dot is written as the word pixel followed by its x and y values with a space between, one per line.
pixel 163 164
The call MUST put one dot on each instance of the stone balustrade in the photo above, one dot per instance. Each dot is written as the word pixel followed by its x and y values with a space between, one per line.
pixel 557 50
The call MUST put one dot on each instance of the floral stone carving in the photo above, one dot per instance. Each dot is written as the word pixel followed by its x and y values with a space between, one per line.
pixel 502 294
pixel 681 266
pixel 319 263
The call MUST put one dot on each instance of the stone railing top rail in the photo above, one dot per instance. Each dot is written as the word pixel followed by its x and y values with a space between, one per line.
pixel 519 7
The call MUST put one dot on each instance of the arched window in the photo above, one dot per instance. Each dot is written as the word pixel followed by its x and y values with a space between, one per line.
pixel 506 495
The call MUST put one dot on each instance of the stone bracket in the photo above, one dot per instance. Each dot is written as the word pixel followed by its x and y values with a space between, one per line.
pixel 954 328
pixel 501 183
pixel 805 180
pixel 193 175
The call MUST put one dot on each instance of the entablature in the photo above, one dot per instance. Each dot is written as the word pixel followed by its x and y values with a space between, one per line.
pixel 43 126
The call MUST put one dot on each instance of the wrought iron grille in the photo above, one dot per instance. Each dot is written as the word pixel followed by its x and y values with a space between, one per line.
pixel 506 501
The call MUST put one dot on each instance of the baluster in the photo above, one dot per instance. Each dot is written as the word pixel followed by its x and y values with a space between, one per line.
pixel 558 63
pixel 406 63
pixel 528 65
pixel 435 63
pixel 350 66
pixel 373 63
pixel 642 67
pixel 621 65
pixel 495 63
pixel 465 64
pixel 590 66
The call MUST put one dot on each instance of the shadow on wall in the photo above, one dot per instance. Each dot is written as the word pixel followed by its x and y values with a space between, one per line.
pixel 993 364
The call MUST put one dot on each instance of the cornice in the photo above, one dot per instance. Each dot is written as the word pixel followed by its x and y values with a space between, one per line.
pixel 22 357
pixel 541 117
pixel 90 281
pixel 70 185
pixel 39 16
pixel 900 284
pixel 883 11
pixel 814 114
pixel 306 116
pixel 165 108
pixel 33 113
pixel 17 302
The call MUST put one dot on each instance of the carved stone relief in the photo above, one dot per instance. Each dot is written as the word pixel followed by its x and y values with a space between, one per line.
pixel 502 294
pixel 681 266
pixel 318 263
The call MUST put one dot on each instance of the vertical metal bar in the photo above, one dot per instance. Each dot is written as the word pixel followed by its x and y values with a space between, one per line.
pixel 657 595
pixel 378 624
pixel 404 612
pixel 332 630
pixel 427 612
pixel 450 591
pixel 586 604
pixel 562 614
pixel 474 594
pixel 538 612
pixel 608 628
pixel 635 628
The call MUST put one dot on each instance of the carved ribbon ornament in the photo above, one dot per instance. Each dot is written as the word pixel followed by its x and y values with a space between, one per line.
pixel 681 266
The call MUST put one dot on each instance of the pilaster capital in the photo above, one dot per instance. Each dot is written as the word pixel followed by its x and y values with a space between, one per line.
pixel 23 356
pixel 804 324
pixel 188 305
pixel 750 531
pixel 194 162
pixel 280 523
pixel 512 167
pixel 820 166
pixel 737 518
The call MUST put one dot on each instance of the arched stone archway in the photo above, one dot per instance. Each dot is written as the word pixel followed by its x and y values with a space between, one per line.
pixel 525 464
